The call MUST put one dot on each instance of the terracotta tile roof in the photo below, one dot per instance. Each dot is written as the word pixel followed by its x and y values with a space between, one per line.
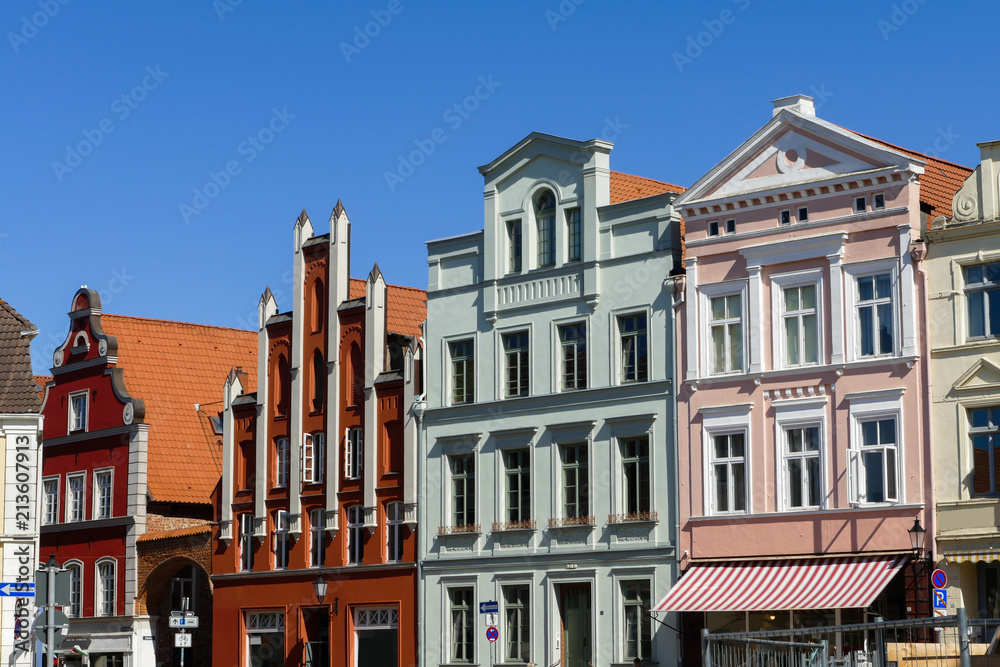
pixel 177 532
pixel 18 393
pixel 406 306
pixel 40 382
pixel 171 366
pixel 625 187
pixel 940 182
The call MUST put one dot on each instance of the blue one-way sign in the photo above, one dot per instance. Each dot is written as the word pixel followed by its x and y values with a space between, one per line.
pixel 25 590
pixel 490 607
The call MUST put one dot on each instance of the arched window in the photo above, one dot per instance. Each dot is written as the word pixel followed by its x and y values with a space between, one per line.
pixel 317 305
pixel 357 375
pixel 545 218
pixel 319 381
pixel 282 386
pixel 105 589
pixel 75 589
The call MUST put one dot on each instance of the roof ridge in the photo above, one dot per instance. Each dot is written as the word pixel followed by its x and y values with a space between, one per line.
pixel 21 318
pixel 910 150
pixel 190 324
pixel 406 287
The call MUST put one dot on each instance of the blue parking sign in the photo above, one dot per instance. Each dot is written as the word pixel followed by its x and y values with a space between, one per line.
pixel 940 599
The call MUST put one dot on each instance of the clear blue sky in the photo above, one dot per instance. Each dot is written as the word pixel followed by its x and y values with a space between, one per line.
pixel 198 80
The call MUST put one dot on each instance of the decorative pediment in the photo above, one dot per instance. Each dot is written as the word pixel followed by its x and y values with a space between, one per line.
pixel 982 375
pixel 795 148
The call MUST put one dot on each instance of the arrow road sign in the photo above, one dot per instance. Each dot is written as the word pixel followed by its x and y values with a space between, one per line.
pixel 183 622
pixel 25 590
pixel 491 607
pixel 492 634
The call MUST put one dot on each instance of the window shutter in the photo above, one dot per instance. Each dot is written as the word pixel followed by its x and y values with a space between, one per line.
pixel 359 454
pixel 854 476
pixel 319 444
pixel 347 453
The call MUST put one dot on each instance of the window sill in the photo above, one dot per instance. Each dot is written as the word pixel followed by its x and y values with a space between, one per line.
pixel 528 526
pixel 633 519
pixel 570 523
pixel 453 531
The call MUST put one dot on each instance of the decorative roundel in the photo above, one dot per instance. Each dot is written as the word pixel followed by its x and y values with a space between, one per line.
pixel 102 347
pixel 966 206
pixel 57 358
pixel 790 160
pixel 128 414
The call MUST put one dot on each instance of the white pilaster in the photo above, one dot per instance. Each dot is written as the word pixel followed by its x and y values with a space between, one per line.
pixel 411 424
pixel 836 307
pixel 691 317
pixel 375 298
pixel 267 307
pixel 907 289
pixel 233 388
pixel 755 317
pixel 303 231
pixel 339 281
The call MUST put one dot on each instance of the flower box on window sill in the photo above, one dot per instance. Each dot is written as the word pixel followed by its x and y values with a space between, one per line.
pixel 633 517
pixel 573 522
pixel 527 526
pixel 466 529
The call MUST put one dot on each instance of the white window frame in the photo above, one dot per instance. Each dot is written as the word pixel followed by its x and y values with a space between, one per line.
pixel 313 457
pixel 620 583
pixel 568 215
pixel 617 348
pixel 514 260
pixel 477 491
pixel 100 591
pixel 779 283
pixel 852 272
pixel 706 294
pixel 96 511
pixel 71 413
pixel 244 523
pixel 394 528
pixel 51 509
pixel 621 496
pixel 802 214
pixel 75 609
pixel 253 625
pixel 966 292
pixel 726 420
pixel 875 206
pixel 504 501
pixel 713 227
pixel 447 634
pixel 528 607
pixel 560 490
pixel 317 538
pixel 355 530
pixel 557 352
pixel 797 413
pixel 501 362
pixel 447 393
pixel 866 407
pixel 781 215
pixel 281 545
pixel 730 225
pixel 469 362
pixel 282 462
pixel 864 204
pixel 82 505
pixel 354 450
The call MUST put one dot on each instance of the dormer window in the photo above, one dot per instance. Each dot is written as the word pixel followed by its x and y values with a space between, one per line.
pixel 545 217
pixel 78 411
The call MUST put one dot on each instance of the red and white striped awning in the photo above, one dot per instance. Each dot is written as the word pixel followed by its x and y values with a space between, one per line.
pixel 815 583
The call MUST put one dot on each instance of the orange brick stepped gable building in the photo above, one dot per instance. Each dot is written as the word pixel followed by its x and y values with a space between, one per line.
pixel 132 451
pixel 319 472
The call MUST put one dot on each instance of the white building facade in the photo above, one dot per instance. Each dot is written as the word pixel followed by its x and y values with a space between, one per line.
pixel 547 443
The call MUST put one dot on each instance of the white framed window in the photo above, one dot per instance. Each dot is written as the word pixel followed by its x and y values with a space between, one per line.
pixel 75 568
pixel 798 318
pixel 246 541
pixel 984 435
pixel 801 468
pixel 281 462
pixel 634 346
pixel 317 537
pixel 574 463
pixel 573 356
pixel 878 201
pixel 872 294
pixel 516 623
pixel 104 604
pixel 281 540
pixel 517 364
pixel 874 458
pixel 514 246
pixel 785 217
pixel 803 214
pixel 636 476
pixel 462 626
pixel 102 493
pixel 638 625
pixel 354 449
pixel 713 227
pixel 860 204
pixel 731 226
pixel 313 457
pixel 517 487
pixel 78 403
pixel 265 638
pixel 545 219
pixel 50 490
pixel 355 535
pixel 394 532
pixel 74 497
pixel 723 321
pixel 574 237
pixel 982 299
pixel 729 472
pixel 463 489
pixel 463 371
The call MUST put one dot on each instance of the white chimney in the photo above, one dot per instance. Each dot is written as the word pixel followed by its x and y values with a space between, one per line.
pixel 802 104
pixel 989 174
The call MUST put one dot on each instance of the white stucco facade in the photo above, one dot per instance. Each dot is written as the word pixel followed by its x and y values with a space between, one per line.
pixel 548 472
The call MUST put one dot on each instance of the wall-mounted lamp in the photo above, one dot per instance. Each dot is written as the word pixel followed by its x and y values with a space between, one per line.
pixel 917 534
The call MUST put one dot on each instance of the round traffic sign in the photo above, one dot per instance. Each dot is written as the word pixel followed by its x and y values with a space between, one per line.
pixel 492 634
pixel 939 579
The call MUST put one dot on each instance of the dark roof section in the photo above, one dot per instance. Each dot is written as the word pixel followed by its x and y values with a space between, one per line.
pixel 18 391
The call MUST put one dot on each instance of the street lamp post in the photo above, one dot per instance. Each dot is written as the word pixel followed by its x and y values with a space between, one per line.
pixel 917 535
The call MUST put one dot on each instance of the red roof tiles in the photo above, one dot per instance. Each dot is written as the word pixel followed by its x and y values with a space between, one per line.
pixel 172 366
pixel 625 187
pixel 406 307
pixel 177 532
